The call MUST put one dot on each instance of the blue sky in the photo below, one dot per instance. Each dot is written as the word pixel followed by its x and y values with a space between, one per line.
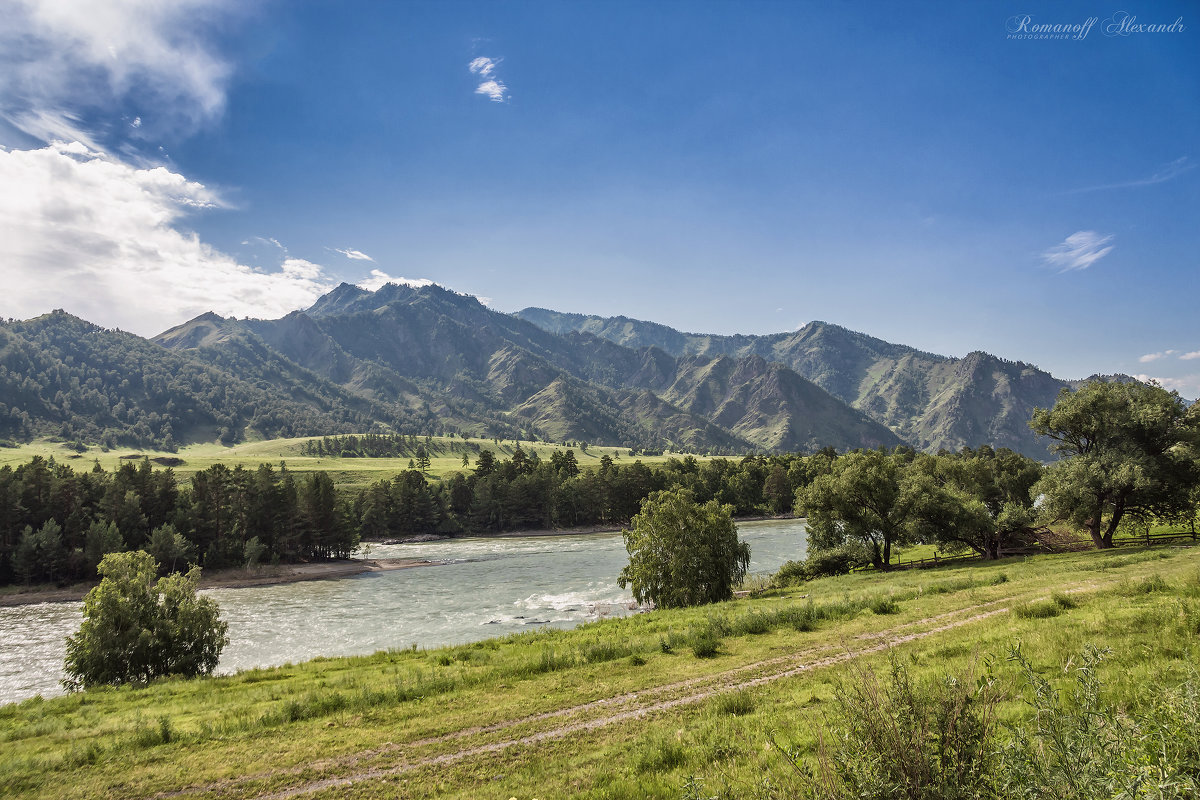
pixel 913 173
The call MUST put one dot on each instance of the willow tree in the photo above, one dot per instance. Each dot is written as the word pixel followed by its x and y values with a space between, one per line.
pixel 683 553
pixel 1129 449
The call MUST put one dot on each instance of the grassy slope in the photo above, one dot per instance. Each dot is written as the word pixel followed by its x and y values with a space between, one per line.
pixel 347 473
pixel 464 721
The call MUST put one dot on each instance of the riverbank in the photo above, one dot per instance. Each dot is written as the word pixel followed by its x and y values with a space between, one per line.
pixel 577 531
pixel 619 708
pixel 235 578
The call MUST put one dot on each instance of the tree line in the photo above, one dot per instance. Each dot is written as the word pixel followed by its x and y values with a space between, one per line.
pixel 56 525
pixel 1130 455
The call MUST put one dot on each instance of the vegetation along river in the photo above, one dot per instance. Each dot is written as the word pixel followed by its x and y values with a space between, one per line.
pixel 483 588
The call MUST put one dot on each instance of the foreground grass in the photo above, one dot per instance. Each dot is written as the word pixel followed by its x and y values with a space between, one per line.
pixel 678 696
pixel 348 473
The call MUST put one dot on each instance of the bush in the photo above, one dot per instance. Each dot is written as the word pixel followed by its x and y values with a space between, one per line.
pixel 706 642
pixel 735 704
pixel 900 739
pixel 136 629
pixel 895 738
pixel 824 563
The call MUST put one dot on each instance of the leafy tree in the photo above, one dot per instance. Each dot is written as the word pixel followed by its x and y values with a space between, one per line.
pixel 100 540
pixel 253 551
pixel 136 629
pixel 40 554
pixel 683 553
pixel 1129 449
pixel 170 548
pixel 978 500
pixel 868 496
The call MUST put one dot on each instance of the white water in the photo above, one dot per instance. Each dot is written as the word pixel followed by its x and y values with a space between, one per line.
pixel 486 587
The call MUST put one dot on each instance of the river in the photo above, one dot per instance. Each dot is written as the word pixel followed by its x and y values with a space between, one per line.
pixel 484 588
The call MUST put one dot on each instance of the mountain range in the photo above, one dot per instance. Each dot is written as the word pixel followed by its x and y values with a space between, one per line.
pixel 429 360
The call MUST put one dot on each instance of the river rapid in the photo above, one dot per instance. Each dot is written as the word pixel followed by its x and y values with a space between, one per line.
pixel 482 588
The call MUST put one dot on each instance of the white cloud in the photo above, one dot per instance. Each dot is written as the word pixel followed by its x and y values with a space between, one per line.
pixel 378 279
pixel 1190 356
pixel 1079 251
pixel 1186 385
pixel 1146 359
pixel 59 58
pixel 100 238
pixel 357 255
pixel 495 90
pixel 482 66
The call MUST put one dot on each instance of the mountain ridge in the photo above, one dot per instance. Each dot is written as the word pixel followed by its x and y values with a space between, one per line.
pixel 931 401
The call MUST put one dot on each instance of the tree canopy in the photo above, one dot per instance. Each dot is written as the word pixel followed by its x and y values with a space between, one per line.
pixel 1129 449
pixel 683 553
pixel 136 628
pixel 867 496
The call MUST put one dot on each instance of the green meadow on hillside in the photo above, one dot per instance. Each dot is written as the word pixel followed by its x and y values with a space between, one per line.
pixel 446 454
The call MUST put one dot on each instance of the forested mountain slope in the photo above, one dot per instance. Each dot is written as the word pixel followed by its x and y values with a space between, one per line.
pixel 475 366
pixel 930 401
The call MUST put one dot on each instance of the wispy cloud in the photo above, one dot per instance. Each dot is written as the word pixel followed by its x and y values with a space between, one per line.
pixel 1190 356
pixel 483 66
pixel 378 279
pixel 357 255
pixel 1146 359
pixel 62 59
pixel 492 88
pixel 1163 174
pixel 106 240
pixel 1079 251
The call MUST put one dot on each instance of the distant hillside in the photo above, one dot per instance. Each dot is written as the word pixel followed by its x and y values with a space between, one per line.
pixel 928 400
pixel 62 376
pixel 484 371
pixel 429 360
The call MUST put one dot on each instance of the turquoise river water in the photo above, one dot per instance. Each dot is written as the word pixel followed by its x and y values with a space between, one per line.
pixel 483 588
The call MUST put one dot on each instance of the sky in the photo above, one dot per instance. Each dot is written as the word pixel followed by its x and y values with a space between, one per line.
pixel 1015 177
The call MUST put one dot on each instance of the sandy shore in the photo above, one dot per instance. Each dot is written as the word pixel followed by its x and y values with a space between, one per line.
pixel 585 529
pixel 238 578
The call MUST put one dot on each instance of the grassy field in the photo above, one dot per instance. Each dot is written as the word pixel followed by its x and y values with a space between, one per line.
pixel 347 473
pixel 631 707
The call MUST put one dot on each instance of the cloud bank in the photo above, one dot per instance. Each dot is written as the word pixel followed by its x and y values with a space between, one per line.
pixel 102 239
pixel 60 59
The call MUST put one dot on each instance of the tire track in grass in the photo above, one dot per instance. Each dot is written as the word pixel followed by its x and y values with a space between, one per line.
pixel 688 698
pixel 646 695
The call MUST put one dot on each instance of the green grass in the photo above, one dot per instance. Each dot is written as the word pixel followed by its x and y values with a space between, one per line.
pixel 347 473
pixel 268 730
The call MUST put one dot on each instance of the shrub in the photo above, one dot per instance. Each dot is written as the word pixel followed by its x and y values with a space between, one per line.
pixel 883 605
pixel 824 563
pixel 135 629
pixel 735 704
pixel 896 738
pixel 706 642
